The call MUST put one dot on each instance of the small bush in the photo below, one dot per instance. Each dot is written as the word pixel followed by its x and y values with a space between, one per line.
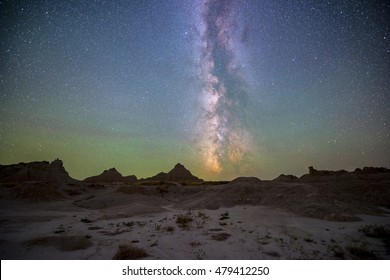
pixel 86 220
pixel 337 251
pixel 361 252
pixel 200 254
pixel 195 243
pixel 221 236
pixel 169 229
pixel 201 219
pixel 376 231
pixel 224 216
pixel 128 224
pixel 127 252
pixel 184 221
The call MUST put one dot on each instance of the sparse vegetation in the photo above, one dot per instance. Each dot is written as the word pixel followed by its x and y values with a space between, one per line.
pixel 338 252
pixel 128 252
pixel 376 231
pixel 162 190
pixel 184 221
pixel 361 252
pixel 140 224
pixel 224 216
pixel 220 236
pixel 273 254
pixel 195 243
pixel 156 183
pixel 200 254
pixel 170 229
pixel 94 228
pixel 86 220
pixel 59 229
pixel 128 224
pixel 201 219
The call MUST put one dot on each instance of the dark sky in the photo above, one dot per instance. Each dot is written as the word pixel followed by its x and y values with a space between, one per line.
pixel 228 88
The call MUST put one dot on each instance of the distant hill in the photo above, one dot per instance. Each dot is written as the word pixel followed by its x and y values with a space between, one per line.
pixel 329 175
pixel 39 171
pixel 111 176
pixel 253 180
pixel 178 174
pixel 286 178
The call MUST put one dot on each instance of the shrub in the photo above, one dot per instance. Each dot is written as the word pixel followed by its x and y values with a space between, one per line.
pixel 127 252
pixel 86 220
pixel 225 216
pixel 221 236
pixel 183 221
pixel 376 231
pixel 337 251
pixel 361 252
pixel 170 229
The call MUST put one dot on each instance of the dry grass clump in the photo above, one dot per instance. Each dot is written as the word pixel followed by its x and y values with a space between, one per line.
pixel 128 252
pixel 221 236
pixel 361 252
pixel 376 231
pixel 169 229
pixel 184 221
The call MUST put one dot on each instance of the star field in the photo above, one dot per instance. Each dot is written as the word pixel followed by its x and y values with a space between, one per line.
pixel 228 88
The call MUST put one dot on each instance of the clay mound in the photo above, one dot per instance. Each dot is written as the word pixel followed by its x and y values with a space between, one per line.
pixel 111 176
pixel 327 175
pixel 338 201
pixel 42 171
pixel 62 243
pixel 35 192
pixel 178 174
pixel 249 180
pixel 372 170
pixel 286 178
pixel 121 198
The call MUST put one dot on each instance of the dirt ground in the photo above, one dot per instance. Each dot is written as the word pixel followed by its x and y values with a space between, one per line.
pixel 238 220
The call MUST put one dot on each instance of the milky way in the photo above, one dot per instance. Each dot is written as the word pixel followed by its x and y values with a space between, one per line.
pixel 223 137
pixel 228 88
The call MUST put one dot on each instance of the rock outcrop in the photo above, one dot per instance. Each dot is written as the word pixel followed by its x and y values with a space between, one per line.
pixel 286 178
pixel 377 173
pixel 249 180
pixel 111 176
pixel 178 174
pixel 39 171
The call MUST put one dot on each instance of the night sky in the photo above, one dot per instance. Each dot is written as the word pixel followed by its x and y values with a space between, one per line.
pixel 227 88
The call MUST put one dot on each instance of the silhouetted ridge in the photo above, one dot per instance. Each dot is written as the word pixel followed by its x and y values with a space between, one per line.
pixel 40 171
pixel 111 176
pixel 178 174
pixel 286 178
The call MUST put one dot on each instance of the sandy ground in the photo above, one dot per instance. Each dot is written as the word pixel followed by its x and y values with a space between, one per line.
pixel 93 225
